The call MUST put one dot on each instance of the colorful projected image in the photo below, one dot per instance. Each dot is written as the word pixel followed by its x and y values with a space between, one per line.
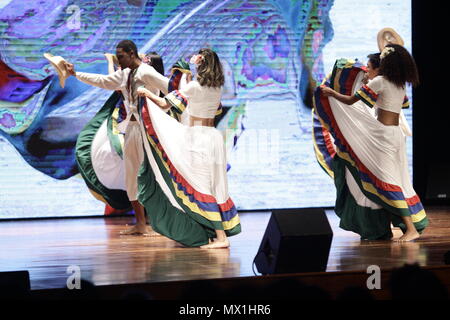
pixel 274 53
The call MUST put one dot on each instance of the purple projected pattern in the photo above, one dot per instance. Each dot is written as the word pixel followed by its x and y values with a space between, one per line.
pixel 268 49
pixel 261 51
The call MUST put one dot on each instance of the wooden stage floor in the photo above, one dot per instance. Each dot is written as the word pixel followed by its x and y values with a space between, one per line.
pixel 46 248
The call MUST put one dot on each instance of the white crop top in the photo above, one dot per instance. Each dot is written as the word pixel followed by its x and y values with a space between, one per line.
pixel 203 101
pixel 387 95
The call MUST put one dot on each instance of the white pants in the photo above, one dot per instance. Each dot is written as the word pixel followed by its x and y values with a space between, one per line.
pixel 133 155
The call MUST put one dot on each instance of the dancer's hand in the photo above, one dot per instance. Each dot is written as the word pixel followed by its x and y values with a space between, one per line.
pixel 70 68
pixel 327 92
pixel 142 92
pixel 197 59
pixel 112 58
pixel 365 78
pixel 188 77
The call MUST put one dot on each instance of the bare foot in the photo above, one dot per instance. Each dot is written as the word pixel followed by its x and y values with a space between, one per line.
pixel 217 244
pixel 150 233
pixel 409 236
pixel 128 231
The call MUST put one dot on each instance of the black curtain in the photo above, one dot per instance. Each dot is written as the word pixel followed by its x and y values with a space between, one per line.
pixel 431 130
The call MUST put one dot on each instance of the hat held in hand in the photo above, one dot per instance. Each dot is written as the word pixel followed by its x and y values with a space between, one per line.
pixel 388 36
pixel 58 63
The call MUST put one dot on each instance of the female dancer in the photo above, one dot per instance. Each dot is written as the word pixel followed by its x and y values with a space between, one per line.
pixel 191 159
pixel 370 156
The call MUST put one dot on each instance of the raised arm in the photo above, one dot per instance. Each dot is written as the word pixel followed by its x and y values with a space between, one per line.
pixel 112 60
pixel 160 102
pixel 110 82
pixel 341 97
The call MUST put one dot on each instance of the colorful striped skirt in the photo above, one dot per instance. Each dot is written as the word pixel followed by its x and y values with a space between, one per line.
pixel 99 156
pixel 367 160
pixel 183 183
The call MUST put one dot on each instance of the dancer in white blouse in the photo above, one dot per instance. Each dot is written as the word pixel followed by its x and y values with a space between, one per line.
pixel 372 151
pixel 193 154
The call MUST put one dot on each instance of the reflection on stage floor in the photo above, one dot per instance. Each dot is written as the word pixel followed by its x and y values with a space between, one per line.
pixel 46 248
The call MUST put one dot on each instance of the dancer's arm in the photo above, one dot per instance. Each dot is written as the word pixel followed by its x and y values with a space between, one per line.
pixel 341 97
pixel 110 82
pixel 160 102
pixel 188 78
pixel 153 78
pixel 112 60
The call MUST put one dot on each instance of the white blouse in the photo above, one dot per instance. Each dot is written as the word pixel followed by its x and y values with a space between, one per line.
pixel 203 101
pixel 388 96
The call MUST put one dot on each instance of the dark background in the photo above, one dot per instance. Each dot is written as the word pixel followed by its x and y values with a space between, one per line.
pixel 431 142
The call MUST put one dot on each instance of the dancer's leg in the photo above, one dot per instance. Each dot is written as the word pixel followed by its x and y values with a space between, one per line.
pixel 133 157
pixel 411 232
pixel 141 227
pixel 219 243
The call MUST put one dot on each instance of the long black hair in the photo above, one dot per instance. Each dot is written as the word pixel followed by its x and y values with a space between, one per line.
pixel 398 66
pixel 153 59
pixel 374 59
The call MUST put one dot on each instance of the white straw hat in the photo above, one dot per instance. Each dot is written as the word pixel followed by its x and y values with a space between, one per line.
pixel 386 36
pixel 58 63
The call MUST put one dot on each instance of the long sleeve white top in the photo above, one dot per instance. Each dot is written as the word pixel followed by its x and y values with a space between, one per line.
pixel 145 76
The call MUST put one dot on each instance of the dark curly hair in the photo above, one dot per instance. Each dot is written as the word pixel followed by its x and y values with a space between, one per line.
pixel 210 71
pixel 399 67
